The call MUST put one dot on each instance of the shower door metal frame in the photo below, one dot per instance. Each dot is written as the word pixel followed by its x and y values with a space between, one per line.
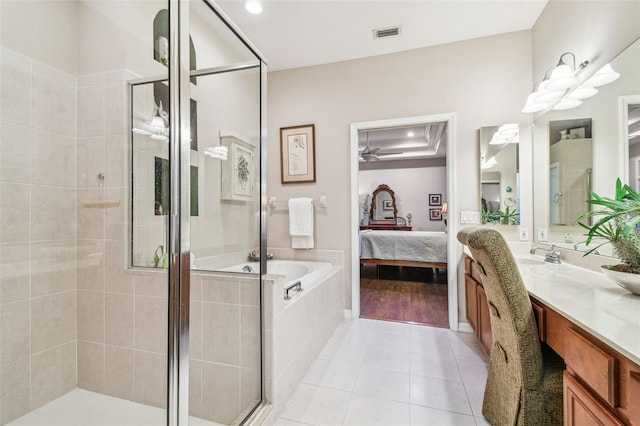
pixel 179 208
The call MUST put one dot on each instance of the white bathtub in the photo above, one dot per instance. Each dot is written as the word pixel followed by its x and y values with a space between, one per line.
pixel 307 272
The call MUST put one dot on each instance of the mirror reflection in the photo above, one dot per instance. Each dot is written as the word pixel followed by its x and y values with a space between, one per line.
pixel 587 148
pixel 383 205
pixel 499 174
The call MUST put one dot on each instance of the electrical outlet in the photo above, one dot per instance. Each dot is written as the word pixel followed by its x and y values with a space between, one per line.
pixel 541 234
pixel 524 233
pixel 469 216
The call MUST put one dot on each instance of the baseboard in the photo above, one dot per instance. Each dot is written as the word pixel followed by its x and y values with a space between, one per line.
pixel 465 327
pixel 348 313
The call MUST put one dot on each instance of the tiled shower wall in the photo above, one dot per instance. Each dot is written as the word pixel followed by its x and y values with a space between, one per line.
pixel 38 234
pixel 70 313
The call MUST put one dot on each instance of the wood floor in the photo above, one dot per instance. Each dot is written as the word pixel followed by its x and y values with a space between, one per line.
pixel 416 295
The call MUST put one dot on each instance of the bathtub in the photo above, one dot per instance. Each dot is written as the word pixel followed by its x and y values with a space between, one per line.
pixel 308 273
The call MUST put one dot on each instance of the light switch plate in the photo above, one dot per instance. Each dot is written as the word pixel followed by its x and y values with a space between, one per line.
pixel 541 234
pixel 524 233
pixel 469 216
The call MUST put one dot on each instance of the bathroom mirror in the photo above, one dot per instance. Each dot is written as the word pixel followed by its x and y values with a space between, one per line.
pixel 383 205
pixel 499 174
pixel 586 148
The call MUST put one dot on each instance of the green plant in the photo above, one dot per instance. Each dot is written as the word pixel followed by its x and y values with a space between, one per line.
pixel 507 217
pixel 617 224
pixel 243 171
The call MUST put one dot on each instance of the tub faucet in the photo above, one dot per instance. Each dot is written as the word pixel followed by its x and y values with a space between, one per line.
pixel 552 256
pixel 248 268
pixel 254 256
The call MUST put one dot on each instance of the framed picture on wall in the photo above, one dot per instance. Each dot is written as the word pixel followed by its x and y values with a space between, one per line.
pixel 435 200
pixel 435 214
pixel 298 154
pixel 387 205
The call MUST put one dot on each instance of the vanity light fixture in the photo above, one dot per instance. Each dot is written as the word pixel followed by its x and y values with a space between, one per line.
pixel 253 6
pixel 557 90
pixel 219 152
pixel 507 133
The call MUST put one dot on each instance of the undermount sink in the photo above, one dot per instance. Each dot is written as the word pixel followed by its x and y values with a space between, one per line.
pixel 529 261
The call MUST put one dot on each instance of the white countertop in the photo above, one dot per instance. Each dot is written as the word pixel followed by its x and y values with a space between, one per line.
pixel 588 299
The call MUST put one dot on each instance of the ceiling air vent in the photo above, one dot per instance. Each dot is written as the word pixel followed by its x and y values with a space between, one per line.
pixel 386 32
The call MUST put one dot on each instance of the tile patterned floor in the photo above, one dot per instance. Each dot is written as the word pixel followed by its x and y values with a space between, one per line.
pixel 387 373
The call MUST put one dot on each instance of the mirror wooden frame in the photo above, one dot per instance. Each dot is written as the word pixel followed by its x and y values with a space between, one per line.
pixel 383 188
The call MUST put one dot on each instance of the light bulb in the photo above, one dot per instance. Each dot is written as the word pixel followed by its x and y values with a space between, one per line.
pixel 253 6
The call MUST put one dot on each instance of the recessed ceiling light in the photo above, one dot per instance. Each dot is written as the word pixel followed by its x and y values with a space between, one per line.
pixel 410 134
pixel 253 6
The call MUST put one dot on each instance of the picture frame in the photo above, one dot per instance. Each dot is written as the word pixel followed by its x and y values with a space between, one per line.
pixel 435 199
pixel 387 205
pixel 435 214
pixel 298 154
pixel 577 132
pixel 238 171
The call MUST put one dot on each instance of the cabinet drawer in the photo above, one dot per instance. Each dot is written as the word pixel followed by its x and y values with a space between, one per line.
pixel 634 394
pixel 472 269
pixel 595 367
pixel 539 314
pixel 582 409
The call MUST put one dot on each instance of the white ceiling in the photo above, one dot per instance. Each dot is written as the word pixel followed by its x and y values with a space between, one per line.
pixel 299 33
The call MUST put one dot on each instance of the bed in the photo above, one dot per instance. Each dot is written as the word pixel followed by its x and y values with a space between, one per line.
pixel 404 248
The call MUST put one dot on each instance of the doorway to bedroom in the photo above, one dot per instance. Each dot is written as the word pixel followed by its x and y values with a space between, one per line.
pixel 402 214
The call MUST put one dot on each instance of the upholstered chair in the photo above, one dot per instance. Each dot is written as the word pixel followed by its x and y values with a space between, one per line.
pixel 524 382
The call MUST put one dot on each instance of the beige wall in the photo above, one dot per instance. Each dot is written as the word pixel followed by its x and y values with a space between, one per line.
pixel 484 81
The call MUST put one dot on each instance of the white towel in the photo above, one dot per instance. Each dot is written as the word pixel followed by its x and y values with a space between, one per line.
pixel 301 223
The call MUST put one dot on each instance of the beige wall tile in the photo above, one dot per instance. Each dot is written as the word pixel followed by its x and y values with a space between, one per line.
pixel 14 331
pixel 250 292
pixel 14 212
pixel 91 218
pixel 151 378
pixel 115 107
pixel 195 388
pixel 15 87
pixel 119 372
pixel 14 152
pixel 249 387
pixel 218 289
pixel 220 392
pixel 115 218
pixel 53 320
pixel 53 373
pixel 117 280
pixel 151 323
pixel 195 329
pixel 221 333
pixel 53 159
pixel 195 284
pixel 53 213
pixel 53 267
pixel 152 284
pixel 91 313
pixel 91 366
pixel 14 272
pixel 250 337
pixel 91 263
pixel 53 100
pixel 15 399
pixel 91 110
pixel 115 160
pixel 119 320
pixel 91 161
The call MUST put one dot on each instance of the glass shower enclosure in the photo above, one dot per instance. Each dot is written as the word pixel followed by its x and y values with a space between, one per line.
pixel 131 184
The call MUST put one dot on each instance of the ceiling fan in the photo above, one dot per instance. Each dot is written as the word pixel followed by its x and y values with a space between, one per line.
pixel 373 154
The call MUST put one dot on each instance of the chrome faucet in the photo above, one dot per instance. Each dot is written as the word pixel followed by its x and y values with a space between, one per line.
pixel 248 268
pixel 552 256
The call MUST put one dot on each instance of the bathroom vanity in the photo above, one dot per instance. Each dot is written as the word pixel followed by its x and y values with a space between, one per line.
pixel 591 323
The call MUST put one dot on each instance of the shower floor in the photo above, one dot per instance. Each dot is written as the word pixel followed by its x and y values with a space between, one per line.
pixel 84 408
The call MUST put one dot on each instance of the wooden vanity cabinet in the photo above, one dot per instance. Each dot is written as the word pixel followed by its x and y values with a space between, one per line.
pixel 476 305
pixel 601 386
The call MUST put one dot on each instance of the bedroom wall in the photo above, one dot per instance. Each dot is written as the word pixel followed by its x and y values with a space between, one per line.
pixel 412 187
pixel 484 81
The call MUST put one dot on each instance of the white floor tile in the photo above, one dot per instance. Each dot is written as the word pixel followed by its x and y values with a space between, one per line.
pixel 317 406
pixel 383 384
pixel 332 374
pixel 286 422
pixel 368 411
pixel 387 359
pixel 441 394
pixel 435 364
pixel 425 416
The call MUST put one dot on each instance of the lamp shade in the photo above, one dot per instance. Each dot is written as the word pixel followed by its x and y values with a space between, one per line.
pixel 605 75
pixel 561 78
pixel 444 208
pixel 533 106
pixel 544 94
pixel 566 104
pixel 582 92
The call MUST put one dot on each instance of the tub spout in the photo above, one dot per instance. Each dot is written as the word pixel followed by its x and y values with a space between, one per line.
pixel 248 269
pixel 297 286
